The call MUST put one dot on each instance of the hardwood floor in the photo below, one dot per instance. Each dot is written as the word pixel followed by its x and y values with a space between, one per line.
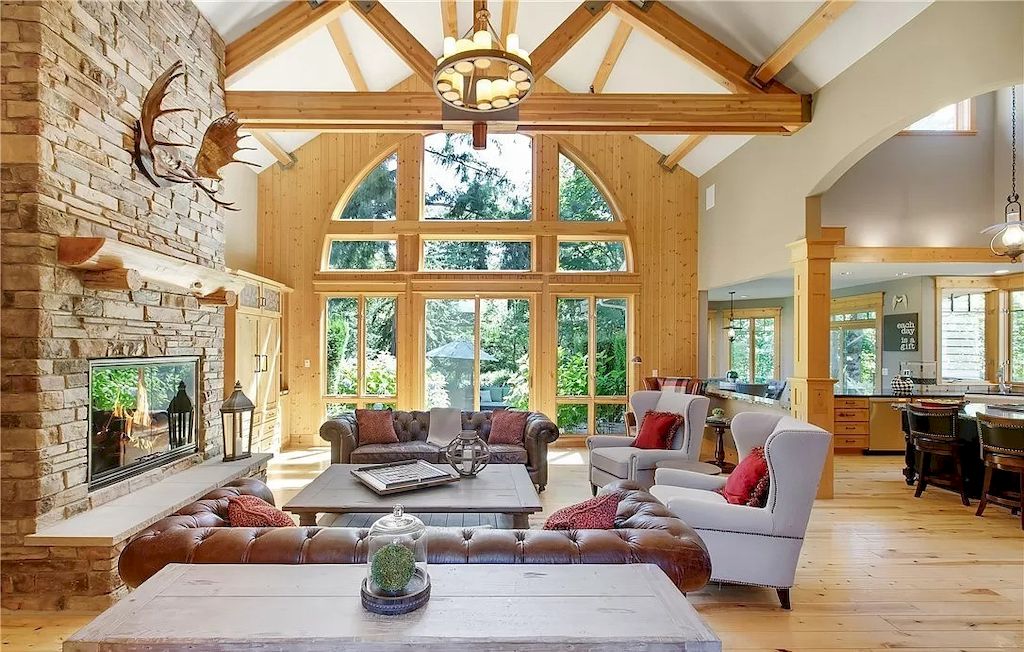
pixel 880 569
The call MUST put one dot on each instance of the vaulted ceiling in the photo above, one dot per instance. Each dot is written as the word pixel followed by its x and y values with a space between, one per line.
pixel 614 56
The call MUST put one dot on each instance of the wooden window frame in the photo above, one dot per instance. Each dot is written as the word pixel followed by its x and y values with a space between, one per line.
pixel 717 320
pixel 870 302
pixel 1013 382
pixel 591 399
pixel 594 238
pixel 360 399
pixel 997 318
pixel 325 254
pixel 475 237
pixel 339 208
pixel 966 120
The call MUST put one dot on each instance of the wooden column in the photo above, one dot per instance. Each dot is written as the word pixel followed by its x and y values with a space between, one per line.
pixel 811 387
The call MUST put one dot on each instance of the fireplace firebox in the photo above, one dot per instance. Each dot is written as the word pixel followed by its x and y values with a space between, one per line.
pixel 143 413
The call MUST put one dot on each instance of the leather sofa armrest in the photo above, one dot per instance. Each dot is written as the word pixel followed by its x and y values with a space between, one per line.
pixel 342 433
pixel 540 428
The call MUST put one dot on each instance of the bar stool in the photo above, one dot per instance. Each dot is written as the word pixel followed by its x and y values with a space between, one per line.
pixel 1002 448
pixel 934 432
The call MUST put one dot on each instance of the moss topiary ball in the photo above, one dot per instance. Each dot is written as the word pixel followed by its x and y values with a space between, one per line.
pixel 392 568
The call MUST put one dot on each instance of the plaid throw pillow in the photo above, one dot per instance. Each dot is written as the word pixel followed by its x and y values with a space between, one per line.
pixel 507 427
pixel 376 427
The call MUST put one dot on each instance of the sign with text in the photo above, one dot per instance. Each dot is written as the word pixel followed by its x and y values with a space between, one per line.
pixel 899 332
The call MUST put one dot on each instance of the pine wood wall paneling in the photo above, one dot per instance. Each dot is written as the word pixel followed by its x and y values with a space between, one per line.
pixel 659 209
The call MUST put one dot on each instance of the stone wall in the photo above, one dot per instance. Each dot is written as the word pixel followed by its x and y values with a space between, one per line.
pixel 74 75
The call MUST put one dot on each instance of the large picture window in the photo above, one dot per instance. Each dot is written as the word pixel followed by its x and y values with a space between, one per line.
pixel 360 350
pixel 374 197
pixel 477 353
pixel 592 370
pixel 854 345
pixel 754 353
pixel 461 183
pixel 963 352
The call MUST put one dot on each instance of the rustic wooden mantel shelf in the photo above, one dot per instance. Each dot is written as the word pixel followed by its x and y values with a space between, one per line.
pixel 115 265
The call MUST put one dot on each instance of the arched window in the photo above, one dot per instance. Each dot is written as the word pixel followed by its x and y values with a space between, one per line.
pixel 579 200
pixel 374 197
pixel 461 183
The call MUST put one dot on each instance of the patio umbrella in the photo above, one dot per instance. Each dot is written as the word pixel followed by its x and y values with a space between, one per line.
pixel 458 350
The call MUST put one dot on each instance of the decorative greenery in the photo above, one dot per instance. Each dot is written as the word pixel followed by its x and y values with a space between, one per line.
pixel 392 568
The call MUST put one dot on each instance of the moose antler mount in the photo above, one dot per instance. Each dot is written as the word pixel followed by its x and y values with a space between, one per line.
pixel 160 160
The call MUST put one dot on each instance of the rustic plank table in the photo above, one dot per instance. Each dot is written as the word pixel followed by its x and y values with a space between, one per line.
pixel 313 608
pixel 498 489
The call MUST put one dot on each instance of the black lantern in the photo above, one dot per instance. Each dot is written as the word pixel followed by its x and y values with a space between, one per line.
pixel 180 418
pixel 236 425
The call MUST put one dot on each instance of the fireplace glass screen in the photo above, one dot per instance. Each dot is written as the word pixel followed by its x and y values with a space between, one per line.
pixel 142 414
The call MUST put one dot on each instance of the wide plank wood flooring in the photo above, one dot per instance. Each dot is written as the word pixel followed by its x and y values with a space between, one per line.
pixel 880 569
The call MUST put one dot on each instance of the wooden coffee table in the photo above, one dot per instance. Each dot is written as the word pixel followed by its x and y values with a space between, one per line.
pixel 316 607
pixel 500 489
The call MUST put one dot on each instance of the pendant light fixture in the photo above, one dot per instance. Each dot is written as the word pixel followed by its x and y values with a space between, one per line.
pixel 1009 234
pixel 730 330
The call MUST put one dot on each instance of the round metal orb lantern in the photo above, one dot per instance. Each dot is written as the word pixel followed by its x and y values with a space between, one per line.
pixel 468 454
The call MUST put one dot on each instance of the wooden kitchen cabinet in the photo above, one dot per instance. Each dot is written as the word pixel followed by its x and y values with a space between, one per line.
pixel 252 354
pixel 852 427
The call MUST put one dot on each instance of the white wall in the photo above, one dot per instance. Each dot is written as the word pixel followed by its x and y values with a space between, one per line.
pixel 785 333
pixel 1001 176
pixel 950 51
pixel 930 190
pixel 240 186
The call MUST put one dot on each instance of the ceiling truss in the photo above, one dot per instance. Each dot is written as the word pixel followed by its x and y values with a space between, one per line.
pixel 758 104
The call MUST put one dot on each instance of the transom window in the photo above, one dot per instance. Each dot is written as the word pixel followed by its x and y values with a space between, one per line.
pixel 348 255
pixel 374 197
pixel 360 348
pixel 955 118
pixel 591 256
pixel 465 184
pixel 477 255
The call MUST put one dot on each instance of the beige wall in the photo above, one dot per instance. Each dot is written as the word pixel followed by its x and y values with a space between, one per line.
pixel 241 187
pixel 950 51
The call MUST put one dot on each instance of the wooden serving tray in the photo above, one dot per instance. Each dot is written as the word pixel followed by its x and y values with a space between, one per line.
pixel 407 475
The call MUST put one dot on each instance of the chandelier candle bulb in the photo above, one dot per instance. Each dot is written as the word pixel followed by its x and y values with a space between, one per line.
pixel 512 43
pixel 483 91
pixel 448 49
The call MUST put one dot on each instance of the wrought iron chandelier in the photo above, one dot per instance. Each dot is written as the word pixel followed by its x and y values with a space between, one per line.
pixel 480 74
pixel 1009 234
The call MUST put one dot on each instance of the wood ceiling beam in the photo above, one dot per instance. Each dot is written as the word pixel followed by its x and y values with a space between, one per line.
pixel 348 57
pixel 712 113
pixel 676 33
pixel 405 45
pixel 672 159
pixel 567 35
pixel 509 18
pixel 449 18
pixel 611 57
pixel 812 28
pixel 285 158
pixel 280 31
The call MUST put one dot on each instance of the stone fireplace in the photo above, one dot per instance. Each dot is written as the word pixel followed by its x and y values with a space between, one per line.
pixel 141 415
pixel 74 75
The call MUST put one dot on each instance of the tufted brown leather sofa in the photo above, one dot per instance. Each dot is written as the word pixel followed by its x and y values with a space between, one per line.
pixel 412 429
pixel 645 532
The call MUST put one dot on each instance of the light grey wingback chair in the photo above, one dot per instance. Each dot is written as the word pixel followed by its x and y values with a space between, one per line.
pixel 612 457
pixel 759 546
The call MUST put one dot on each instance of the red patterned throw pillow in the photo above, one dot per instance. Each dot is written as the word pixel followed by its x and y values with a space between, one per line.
pixel 376 427
pixel 507 427
pixel 594 514
pixel 253 511
pixel 657 430
pixel 748 484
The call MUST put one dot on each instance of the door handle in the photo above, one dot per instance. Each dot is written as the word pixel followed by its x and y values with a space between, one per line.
pixel 259 364
pixel 266 363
